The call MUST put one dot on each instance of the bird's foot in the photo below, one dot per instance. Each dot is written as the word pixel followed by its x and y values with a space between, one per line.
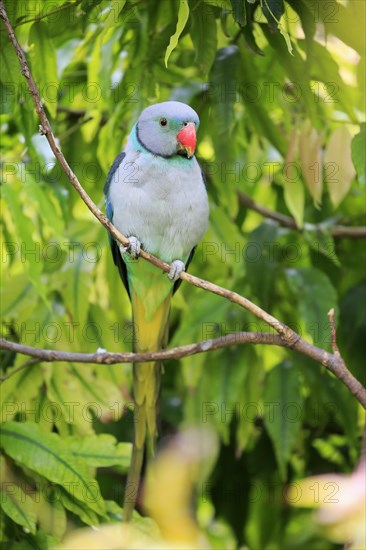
pixel 176 268
pixel 133 248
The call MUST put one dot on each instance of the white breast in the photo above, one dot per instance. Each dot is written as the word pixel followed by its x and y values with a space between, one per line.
pixel 162 202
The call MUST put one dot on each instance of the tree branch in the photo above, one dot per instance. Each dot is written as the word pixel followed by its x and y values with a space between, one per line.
pixel 25 365
pixel 332 361
pixel 109 358
pixel 288 337
pixel 333 333
pixel 337 231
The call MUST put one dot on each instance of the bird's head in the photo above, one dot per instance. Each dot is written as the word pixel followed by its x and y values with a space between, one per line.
pixel 168 129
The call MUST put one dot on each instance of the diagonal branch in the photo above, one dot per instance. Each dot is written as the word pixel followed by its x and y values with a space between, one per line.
pixel 288 337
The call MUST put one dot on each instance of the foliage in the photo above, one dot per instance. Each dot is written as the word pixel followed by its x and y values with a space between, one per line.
pixel 278 87
pixel 341 503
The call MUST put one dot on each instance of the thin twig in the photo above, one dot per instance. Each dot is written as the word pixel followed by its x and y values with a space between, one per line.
pixel 288 337
pixel 337 231
pixel 333 333
pixel 21 367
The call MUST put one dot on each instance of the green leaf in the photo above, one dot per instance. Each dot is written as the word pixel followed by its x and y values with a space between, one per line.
pixel 15 503
pixel 251 392
pixel 48 455
pixel 99 75
pixel 248 33
pixel 230 254
pixel 17 293
pixel 322 242
pixel 10 73
pixel 101 451
pixel 287 38
pixel 19 507
pixel 20 390
pixel 239 12
pixel 345 22
pixel 183 14
pixel 220 389
pixel 75 281
pixel 331 449
pixel 261 260
pixel 96 395
pixel 257 112
pixel 37 195
pixel 203 34
pixel 324 68
pixel 358 147
pixel 223 71
pixel 296 70
pixel 353 329
pixel 331 402
pixel 200 323
pixel 44 64
pixel 308 21
pixel 223 4
pixel 294 195
pixel 283 411
pixel 25 230
pixel 315 296
pixel 51 513
pixel 273 11
pixel 78 508
pixel 112 18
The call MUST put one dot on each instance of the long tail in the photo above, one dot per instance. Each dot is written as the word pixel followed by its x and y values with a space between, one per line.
pixel 150 335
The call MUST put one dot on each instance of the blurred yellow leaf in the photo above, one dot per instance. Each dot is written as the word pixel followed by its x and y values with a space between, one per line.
pixel 170 484
pixel 311 160
pixel 167 499
pixel 293 188
pixel 295 199
pixel 116 536
pixel 339 167
pixel 341 503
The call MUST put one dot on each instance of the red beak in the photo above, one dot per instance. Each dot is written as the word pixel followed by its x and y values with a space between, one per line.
pixel 187 139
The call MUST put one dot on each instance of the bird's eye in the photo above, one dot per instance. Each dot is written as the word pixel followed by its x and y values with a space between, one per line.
pixel 185 123
pixel 163 122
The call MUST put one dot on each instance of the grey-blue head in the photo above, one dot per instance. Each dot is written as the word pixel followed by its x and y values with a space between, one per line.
pixel 168 129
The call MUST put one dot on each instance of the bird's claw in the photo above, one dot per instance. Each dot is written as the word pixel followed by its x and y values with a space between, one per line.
pixel 133 248
pixel 176 269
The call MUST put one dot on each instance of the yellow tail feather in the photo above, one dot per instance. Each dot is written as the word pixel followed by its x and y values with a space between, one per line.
pixel 150 335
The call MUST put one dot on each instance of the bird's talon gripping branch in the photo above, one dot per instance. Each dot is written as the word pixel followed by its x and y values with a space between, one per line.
pixel 133 248
pixel 176 268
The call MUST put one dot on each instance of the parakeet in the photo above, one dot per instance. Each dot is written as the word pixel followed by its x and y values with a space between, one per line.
pixel 156 196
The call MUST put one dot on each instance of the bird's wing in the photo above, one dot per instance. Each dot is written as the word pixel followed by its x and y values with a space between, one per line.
pixel 109 209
